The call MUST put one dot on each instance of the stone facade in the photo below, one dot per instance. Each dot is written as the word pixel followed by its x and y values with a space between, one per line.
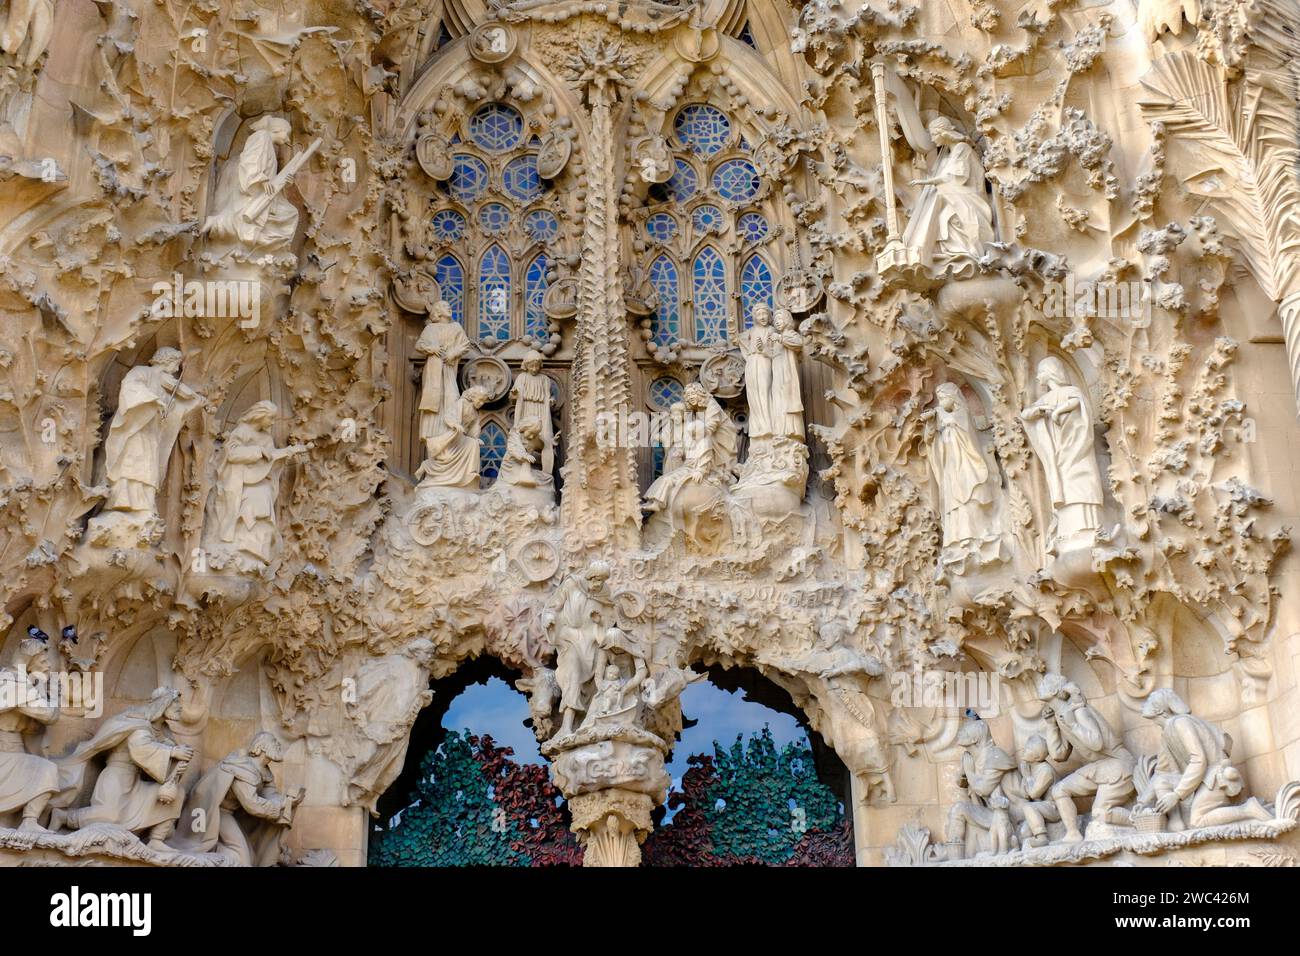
pixel 937 362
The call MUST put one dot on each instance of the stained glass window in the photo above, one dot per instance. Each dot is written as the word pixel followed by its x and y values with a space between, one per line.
pixel 491 450
pixel 493 217
pixel 469 177
pixel 534 288
pixel 755 287
pixel 736 180
pixel 709 292
pixel 448 225
pixel 752 227
pixel 664 391
pixel 494 295
pixel 541 225
pixel 706 219
pixel 666 321
pixel 451 283
pixel 661 227
pixel 702 129
pixel 680 186
pixel 521 179
pixel 496 127
pixel 746 36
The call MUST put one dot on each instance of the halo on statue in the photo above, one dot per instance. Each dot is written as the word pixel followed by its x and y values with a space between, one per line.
pixel 488 373
pixel 492 43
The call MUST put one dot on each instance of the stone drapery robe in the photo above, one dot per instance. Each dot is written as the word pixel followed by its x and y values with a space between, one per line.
pixel 141 436
pixel 445 343
pixel 952 223
pixel 246 489
pixel 235 788
pixel 274 229
pixel 532 394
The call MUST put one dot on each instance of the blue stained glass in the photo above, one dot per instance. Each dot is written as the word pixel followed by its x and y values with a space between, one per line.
pixel 746 36
pixel 752 227
pixel 494 295
pixel 521 180
pixel 661 227
pixel 709 293
pixel 664 391
pixel 493 217
pixel 469 177
pixel 448 225
pixel 541 225
pixel 497 127
pixel 491 450
pixel 534 289
pixel 755 287
pixel 666 321
pixel 451 283
pixel 680 187
pixel 706 219
pixel 702 129
pixel 736 180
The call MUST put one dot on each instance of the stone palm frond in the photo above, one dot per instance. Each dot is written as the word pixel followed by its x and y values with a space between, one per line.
pixel 1241 139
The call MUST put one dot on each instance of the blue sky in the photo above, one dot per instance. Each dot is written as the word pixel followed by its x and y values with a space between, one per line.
pixel 494 708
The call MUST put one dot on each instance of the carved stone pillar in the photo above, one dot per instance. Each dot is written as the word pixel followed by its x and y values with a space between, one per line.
pixel 611 825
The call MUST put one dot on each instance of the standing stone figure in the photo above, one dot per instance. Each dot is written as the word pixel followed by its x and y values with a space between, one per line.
pixel 787 404
pixel 139 785
pixel 1076 728
pixel 759 345
pixel 952 222
pixel 582 609
pixel 236 806
pixel 244 512
pixel 532 394
pixel 960 471
pixel 151 405
pixel 1194 781
pixel 27 781
pixel 981 823
pixel 445 343
pixel 1059 427
pixel 250 209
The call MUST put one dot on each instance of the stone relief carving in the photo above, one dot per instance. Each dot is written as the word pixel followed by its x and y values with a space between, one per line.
pixel 1090 508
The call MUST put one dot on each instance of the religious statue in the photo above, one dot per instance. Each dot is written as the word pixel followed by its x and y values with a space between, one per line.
pixel 445 343
pixel 523 449
pixel 759 346
pixel 982 822
pixel 453 460
pixel 250 208
pixel 952 222
pixel 961 473
pixel 27 780
pixel 30 22
pixel 236 806
pixel 246 486
pixel 616 700
pixel 655 161
pixel 1059 427
pixel 580 612
pixel 1194 781
pixel 1076 728
pixel 151 406
pixel 382 702
pixel 138 788
pixel 786 403
pixel 1027 788
pixel 532 394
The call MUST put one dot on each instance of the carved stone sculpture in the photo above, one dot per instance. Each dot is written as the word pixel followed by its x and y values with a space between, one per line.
pixel 698 472
pixel 982 823
pixel 236 807
pixel 962 476
pixel 582 611
pixel 445 343
pixel 951 223
pixel 786 403
pixel 532 394
pixel 243 514
pixel 453 460
pixel 138 786
pixel 1059 426
pixel 29 25
pixel 760 345
pixel 27 780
